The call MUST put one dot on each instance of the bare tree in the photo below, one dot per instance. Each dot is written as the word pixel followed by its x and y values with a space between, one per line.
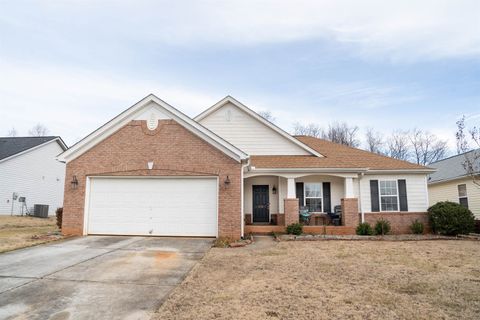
pixel 426 147
pixel 38 130
pixel 465 141
pixel 374 141
pixel 267 115
pixel 398 145
pixel 12 132
pixel 342 133
pixel 311 129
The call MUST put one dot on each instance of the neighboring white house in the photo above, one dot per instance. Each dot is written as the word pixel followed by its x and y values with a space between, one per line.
pixel 28 168
pixel 451 182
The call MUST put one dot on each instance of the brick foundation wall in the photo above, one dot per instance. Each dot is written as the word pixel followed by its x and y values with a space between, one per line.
pixel 291 211
pixel 174 150
pixel 350 212
pixel 399 221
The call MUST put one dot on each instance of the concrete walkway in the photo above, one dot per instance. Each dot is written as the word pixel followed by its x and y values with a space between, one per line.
pixel 95 277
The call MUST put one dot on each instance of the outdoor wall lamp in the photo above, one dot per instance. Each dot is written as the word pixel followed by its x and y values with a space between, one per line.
pixel 227 181
pixel 274 190
pixel 74 182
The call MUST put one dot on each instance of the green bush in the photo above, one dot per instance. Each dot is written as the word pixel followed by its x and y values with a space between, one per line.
pixel 417 227
pixel 450 218
pixel 295 228
pixel 59 216
pixel 382 227
pixel 364 229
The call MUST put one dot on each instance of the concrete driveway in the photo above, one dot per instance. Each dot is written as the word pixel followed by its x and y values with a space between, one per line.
pixel 95 277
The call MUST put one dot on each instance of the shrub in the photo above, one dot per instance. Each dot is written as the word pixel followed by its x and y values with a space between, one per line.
pixel 59 215
pixel 295 228
pixel 450 218
pixel 364 229
pixel 382 227
pixel 417 227
pixel 222 242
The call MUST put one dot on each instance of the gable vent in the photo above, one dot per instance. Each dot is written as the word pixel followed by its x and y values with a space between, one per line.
pixel 152 121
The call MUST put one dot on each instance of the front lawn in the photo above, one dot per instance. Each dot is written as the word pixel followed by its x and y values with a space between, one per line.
pixel 333 280
pixel 19 232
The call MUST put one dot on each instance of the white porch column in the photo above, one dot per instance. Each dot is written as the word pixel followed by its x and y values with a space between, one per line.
pixel 348 192
pixel 291 188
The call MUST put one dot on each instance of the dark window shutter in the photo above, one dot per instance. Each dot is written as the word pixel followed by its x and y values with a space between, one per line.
pixel 402 194
pixel 463 202
pixel 374 195
pixel 299 192
pixel 327 202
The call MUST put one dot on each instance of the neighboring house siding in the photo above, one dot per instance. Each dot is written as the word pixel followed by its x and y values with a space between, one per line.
pixel 248 134
pixel 417 194
pixel 448 191
pixel 36 175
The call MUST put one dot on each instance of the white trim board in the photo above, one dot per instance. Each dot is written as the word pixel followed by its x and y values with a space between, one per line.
pixel 126 116
pixel 250 112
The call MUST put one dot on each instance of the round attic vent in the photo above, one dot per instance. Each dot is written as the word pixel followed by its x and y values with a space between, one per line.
pixel 152 121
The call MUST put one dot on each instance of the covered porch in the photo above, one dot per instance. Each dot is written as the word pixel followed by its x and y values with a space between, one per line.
pixel 325 203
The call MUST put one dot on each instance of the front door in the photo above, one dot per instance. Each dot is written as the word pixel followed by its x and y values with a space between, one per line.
pixel 261 210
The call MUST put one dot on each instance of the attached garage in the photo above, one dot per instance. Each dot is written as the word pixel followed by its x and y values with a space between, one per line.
pixel 160 206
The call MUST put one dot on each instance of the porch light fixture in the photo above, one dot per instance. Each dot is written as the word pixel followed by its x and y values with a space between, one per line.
pixel 74 182
pixel 227 181
pixel 150 165
pixel 274 190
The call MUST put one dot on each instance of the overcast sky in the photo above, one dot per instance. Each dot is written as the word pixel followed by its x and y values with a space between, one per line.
pixel 73 65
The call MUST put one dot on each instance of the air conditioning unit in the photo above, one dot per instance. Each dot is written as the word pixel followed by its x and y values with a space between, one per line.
pixel 40 210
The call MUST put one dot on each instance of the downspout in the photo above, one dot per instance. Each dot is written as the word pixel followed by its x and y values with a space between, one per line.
pixel 242 215
pixel 362 213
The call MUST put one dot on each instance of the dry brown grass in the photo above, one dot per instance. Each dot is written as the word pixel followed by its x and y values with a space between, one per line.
pixel 19 232
pixel 333 280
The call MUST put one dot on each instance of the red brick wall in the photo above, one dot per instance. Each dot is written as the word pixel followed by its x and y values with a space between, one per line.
pixel 174 151
pixel 291 211
pixel 400 221
pixel 350 212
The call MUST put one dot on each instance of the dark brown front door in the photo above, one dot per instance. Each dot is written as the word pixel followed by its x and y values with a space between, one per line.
pixel 261 210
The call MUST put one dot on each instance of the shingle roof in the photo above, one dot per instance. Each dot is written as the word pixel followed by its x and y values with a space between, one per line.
pixel 335 156
pixel 450 168
pixel 10 146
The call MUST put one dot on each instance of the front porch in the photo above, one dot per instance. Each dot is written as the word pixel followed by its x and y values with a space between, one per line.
pixel 271 202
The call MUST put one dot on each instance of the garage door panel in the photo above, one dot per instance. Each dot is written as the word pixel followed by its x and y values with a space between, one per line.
pixel 165 206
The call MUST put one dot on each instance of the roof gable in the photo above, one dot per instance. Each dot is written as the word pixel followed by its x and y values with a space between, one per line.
pixel 14 146
pixel 249 131
pixel 151 109
pixel 452 167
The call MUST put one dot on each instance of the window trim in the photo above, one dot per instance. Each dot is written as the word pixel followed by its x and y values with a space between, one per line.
pixel 380 195
pixel 466 193
pixel 320 197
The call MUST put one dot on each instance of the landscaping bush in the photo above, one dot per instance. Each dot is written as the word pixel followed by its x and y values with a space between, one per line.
pixel 417 227
pixel 59 215
pixel 295 228
pixel 364 229
pixel 450 218
pixel 382 227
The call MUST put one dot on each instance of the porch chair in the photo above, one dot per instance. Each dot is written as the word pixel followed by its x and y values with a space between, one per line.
pixel 336 215
pixel 305 215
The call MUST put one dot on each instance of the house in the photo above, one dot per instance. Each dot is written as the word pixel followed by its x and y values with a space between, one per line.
pixel 29 170
pixel 228 172
pixel 451 182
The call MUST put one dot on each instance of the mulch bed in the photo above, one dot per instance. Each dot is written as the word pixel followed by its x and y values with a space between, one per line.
pixel 402 237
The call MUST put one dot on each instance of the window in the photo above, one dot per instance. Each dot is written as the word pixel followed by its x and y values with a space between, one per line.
pixel 462 195
pixel 313 197
pixel 388 195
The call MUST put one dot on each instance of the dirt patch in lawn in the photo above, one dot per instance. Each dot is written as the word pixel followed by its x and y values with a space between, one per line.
pixel 332 279
pixel 19 232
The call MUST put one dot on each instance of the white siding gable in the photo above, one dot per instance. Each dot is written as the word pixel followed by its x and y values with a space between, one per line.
pixel 36 175
pixel 248 134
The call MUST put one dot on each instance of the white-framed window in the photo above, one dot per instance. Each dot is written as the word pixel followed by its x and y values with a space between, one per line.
pixel 462 195
pixel 313 196
pixel 388 194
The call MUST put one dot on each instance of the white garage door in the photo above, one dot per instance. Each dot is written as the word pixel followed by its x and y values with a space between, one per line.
pixel 153 206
